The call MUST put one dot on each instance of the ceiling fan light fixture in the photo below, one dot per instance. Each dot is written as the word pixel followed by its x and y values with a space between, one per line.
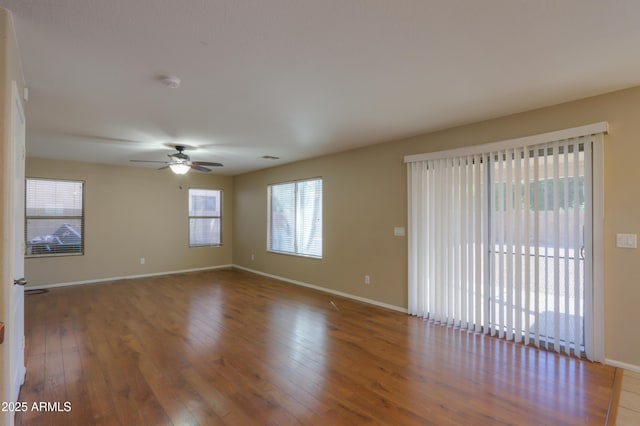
pixel 179 168
pixel 171 81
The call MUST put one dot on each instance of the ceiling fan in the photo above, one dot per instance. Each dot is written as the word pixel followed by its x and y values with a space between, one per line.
pixel 180 163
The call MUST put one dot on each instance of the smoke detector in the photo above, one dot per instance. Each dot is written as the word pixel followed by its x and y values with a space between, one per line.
pixel 171 81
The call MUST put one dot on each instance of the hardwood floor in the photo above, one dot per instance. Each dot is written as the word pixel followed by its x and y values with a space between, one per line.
pixel 628 413
pixel 230 347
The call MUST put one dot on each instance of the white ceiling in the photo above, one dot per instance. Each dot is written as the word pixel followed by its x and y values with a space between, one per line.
pixel 302 78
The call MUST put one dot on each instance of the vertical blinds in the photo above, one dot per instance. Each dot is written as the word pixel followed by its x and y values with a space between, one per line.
pixel 500 242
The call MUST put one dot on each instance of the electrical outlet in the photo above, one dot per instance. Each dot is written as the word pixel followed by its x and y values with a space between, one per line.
pixel 142 260
pixel 253 256
pixel 367 279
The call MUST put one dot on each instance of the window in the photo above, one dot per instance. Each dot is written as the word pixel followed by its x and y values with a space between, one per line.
pixel 295 218
pixel 205 217
pixel 54 217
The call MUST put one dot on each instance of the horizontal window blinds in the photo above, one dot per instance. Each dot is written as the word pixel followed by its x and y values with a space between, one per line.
pixel 54 217
pixel 283 218
pixel 295 218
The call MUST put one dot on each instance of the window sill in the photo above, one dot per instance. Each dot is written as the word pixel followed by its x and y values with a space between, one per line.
pixel 286 253
pixel 38 256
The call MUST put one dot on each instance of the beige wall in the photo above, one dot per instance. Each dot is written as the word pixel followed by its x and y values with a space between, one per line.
pixel 361 200
pixel 131 212
pixel 365 197
pixel 10 70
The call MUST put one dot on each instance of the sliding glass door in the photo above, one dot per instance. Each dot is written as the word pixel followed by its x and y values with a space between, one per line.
pixel 537 243
pixel 501 241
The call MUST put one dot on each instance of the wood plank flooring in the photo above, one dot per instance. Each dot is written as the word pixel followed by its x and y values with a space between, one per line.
pixel 230 347
pixel 628 413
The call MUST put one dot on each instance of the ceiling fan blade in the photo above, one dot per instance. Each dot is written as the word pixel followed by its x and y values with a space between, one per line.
pixel 200 168
pixel 206 163
pixel 148 161
pixel 164 167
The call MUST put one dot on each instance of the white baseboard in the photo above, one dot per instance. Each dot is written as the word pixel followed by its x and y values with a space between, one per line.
pixel 607 361
pixel 326 290
pixel 155 274
pixel 128 277
pixel 619 364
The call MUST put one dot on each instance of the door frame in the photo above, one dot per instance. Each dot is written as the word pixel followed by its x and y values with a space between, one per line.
pixel 12 375
pixel 16 156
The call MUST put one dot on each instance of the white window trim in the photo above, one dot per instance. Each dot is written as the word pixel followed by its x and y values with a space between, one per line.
pixel 286 253
pixel 189 217
pixel 81 217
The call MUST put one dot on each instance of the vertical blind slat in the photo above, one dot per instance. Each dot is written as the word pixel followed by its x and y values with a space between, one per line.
pixel 518 245
pixel 545 231
pixel 509 242
pixel 556 249
pixel 499 297
pixel 456 244
pixel 517 253
pixel 536 239
pixel 577 240
pixel 527 245
pixel 463 242
pixel 485 242
pixel 476 273
pixel 433 242
pixel 567 247
pixel 588 241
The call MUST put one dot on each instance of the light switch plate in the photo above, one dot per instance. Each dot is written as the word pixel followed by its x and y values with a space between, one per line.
pixel 627 241
pixel 398 231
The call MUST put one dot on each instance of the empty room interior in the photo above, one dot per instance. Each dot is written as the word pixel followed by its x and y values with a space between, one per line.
pixel 320 212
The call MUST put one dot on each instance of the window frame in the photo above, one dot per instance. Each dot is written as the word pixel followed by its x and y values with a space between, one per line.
pixel 296 251
pixel 81 217
pixel 219 217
